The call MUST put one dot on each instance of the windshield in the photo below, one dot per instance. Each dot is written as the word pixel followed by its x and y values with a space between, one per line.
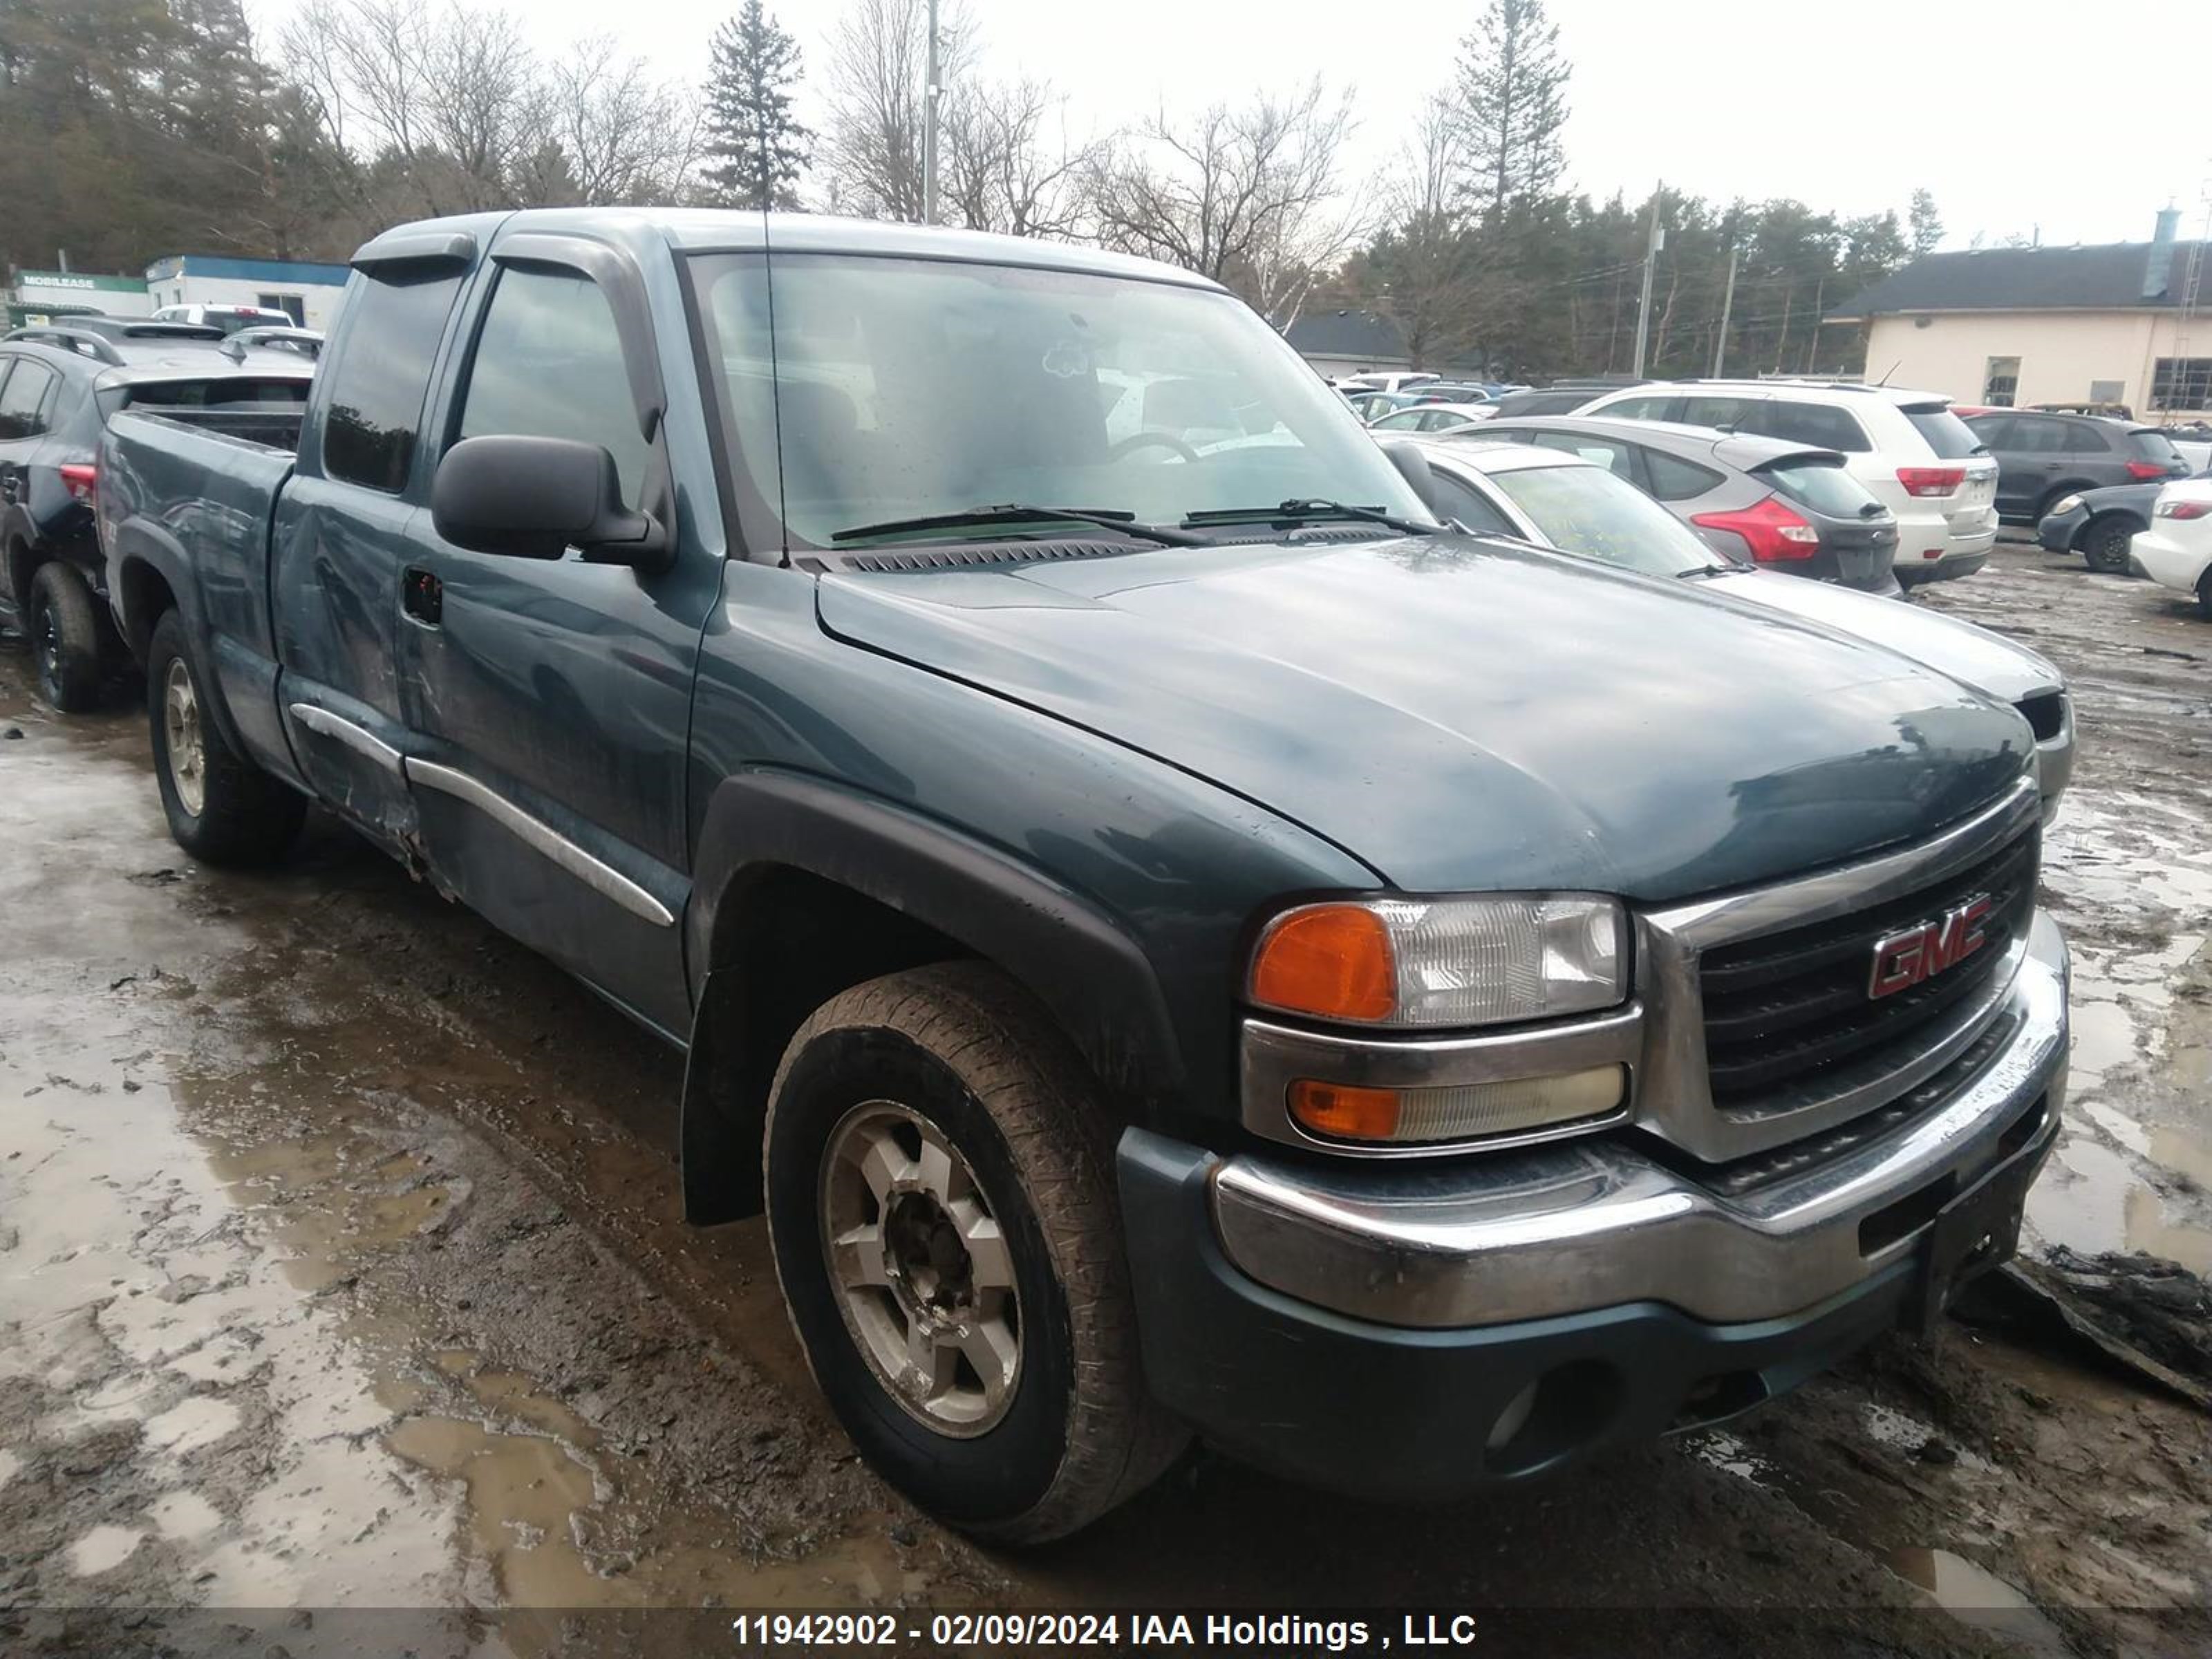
pixel 1951 438
pixel 1587 510
pixel 895 389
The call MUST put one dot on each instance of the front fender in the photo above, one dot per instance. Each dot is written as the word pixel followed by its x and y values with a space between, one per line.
pixel 1090 974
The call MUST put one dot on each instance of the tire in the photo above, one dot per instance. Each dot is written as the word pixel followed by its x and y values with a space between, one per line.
pixel 65 634
pixel 2103 543
pixel 958 1053
pixel 2204 595
pixel 222 809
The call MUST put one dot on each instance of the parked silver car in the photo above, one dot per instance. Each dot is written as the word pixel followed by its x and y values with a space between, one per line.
pixel 1790 508
pixel 1560 500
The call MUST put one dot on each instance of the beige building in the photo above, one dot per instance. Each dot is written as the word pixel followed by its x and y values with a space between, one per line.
pixel 2129 323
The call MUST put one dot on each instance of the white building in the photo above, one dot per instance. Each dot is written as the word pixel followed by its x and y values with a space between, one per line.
pixel 308 293
pixel 2127 323
pixel 112 296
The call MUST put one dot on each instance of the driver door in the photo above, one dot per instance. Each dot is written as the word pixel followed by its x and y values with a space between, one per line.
pixel 552 697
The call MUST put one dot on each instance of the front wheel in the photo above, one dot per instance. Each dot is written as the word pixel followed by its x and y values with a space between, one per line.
pixel 64 633
pixel 941 1207
pixel 2105 545
pixel 221 808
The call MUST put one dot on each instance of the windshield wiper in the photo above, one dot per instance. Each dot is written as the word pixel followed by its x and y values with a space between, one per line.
pixel 1296 511
pixel 1696 571
pixel 1019 513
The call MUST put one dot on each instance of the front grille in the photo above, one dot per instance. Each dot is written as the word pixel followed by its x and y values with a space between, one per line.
pixel 2045 714
pixel 1787 1014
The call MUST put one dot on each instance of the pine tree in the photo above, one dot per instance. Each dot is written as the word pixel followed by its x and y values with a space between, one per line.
pixel 1512 98
pixel 1927 229
pixel 756 152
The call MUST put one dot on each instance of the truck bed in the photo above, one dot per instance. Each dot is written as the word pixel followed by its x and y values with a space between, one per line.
pixel 193 492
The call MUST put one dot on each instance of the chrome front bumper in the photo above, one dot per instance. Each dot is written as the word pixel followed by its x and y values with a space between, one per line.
pixel 1580 1225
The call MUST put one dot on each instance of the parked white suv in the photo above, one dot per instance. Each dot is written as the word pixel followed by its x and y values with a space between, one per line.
pixel 1919 459
pixel 2176 550
pixel 229 318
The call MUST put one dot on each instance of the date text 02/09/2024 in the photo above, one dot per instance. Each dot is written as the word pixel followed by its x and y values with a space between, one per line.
pixel 1273 1631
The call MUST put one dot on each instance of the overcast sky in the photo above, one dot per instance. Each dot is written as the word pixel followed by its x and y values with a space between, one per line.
pixel 1846 106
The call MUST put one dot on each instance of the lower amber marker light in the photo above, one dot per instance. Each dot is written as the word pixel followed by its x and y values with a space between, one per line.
pixel 1459 1111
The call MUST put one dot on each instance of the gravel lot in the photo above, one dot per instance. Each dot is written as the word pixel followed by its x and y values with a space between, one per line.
pixel 341 1269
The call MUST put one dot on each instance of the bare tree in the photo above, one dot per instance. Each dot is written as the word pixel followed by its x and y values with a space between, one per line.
pixel 1006 162
pixel 1426 272
pixel 445 109
pixel 870 153
pixel 627 137
pixel 1251 196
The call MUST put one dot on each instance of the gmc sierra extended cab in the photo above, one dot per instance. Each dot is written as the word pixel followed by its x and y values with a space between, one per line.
pixel 1174 937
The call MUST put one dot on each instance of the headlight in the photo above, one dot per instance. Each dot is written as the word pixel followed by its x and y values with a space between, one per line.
pixel 2063 504
pixel 1446 962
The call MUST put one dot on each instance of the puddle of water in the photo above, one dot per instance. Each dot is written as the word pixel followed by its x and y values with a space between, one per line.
pixel 1979 1598
pixel 1902 1432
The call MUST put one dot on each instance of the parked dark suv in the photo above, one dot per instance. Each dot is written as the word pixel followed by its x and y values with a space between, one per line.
pixel 59 384
pixel 2042 458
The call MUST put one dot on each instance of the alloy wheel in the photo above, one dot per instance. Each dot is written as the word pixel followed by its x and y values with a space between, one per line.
pixel 187 749
pixel 922 1274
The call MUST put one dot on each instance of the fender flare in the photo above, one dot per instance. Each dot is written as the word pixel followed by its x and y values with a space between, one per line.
pixel 136 541
pixel 1092 977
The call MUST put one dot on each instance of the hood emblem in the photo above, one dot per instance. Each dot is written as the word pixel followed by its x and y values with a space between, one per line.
pixel 1903 960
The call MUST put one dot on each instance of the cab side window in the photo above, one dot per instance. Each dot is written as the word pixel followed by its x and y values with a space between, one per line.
pixel 24 400
pixel 549 364
pixel 394 327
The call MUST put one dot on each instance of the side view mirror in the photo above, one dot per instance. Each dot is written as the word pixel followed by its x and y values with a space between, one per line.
pixel 535 498
pixel 1414 467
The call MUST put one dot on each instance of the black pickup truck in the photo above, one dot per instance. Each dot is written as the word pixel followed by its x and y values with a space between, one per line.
pixel 1174 937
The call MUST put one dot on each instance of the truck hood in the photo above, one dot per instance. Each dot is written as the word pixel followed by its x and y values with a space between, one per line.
pixel 1988 662
pixel 1461 714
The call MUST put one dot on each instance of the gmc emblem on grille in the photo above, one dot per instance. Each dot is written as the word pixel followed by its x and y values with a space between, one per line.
pixel 1904 960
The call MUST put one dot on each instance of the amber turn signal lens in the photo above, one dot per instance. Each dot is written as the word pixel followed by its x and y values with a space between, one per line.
pixel 1329 960
pixel 1345 1112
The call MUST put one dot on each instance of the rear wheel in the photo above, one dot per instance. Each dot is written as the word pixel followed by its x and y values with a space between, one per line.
pixel 941 1207
pixel 64 632
pixel 2204 594
pixel 221 807
pixel 2104 545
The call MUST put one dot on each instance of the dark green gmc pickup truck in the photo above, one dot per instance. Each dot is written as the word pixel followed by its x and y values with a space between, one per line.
pixel 1175 938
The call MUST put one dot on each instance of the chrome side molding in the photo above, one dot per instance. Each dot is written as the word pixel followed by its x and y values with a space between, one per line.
pixel 359 738
pixel 595 873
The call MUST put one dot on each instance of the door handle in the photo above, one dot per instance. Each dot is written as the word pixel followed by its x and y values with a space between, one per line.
pixel 421 595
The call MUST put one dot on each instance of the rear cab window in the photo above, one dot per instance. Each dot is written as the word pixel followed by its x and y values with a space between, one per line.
pixel 393 329
pixel 2152 445
pixel 1950 438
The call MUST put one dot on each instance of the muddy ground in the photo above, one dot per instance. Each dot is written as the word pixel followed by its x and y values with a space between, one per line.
pixel 341 1270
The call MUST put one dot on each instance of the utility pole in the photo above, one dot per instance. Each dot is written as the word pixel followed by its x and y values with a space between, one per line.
pixel 929 125
pixel 1655 239
pixel 1727 303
